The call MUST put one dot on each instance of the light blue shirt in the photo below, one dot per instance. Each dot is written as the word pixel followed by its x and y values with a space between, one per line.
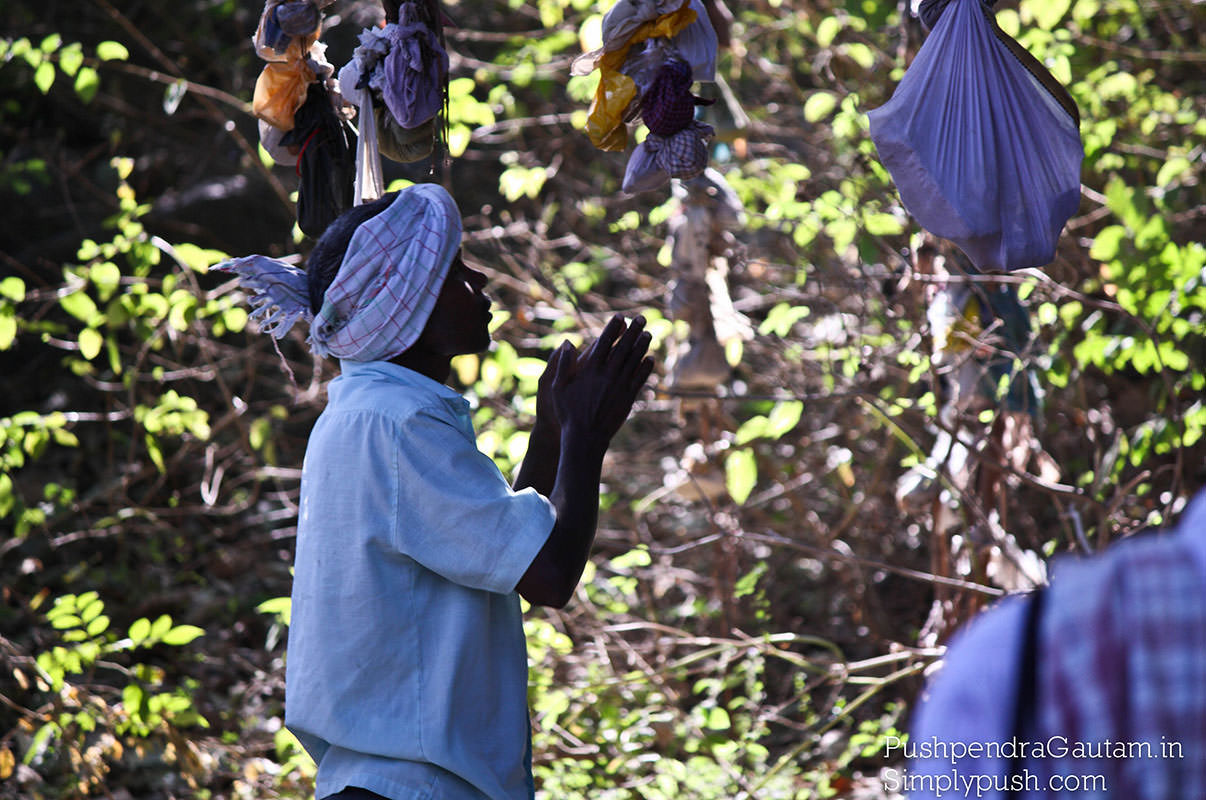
pixel 407 667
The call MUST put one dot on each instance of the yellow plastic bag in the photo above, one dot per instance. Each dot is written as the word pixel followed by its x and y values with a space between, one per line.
pixel 281 88
pixel 605 121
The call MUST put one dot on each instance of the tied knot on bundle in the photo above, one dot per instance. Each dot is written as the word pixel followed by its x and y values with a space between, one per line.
pixel 284 22
pixel 668 106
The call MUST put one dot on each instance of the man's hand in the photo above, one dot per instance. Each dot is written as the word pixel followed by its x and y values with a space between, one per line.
pixel 546 407
pixel 588 396
pixel 593 394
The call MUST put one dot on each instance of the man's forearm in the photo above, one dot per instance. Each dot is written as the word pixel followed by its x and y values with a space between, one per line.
pixel 575 496
pixel 539 467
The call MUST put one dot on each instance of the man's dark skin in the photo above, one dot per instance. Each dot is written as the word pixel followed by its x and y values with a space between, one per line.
pixel 581 402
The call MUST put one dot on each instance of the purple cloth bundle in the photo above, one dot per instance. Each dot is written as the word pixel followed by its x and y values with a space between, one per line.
pixel 983 145
pixel 414 69
pixel 659 158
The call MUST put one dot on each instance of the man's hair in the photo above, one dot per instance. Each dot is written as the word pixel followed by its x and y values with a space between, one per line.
pixel 325 259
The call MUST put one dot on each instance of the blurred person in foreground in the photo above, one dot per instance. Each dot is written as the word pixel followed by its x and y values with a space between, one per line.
pixel 1092 687
pixel 407 667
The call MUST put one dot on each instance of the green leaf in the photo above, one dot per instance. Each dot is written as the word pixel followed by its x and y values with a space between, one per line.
pixel 8 328
pixel 235 319
pixel 717 719
pixel 198 258
pixel 749 581
pixel 753 428
pixel 51 43
pixel 1048 13
pixel 181 315
pixel 13 288
pixel 1120 85
pixel 828 30
pixel 140 630
pixel 458 140
pixel 44 76
pixel 91 606
pixel 131 698
pixel 18 47
pixel 280 607
pixel 881 224
pixel 551 13
pixel 636 557
pixel 90 343
pixel 740 474
pixel 112 51
pixel 86 84
pixel 780 319
pixel 783 417
pixel 155 453
pixel 105 276
pixel 98 626
pixel 71 58
pixel 860 54
pixel 1173 169
pixel 819 106
pixel 79 305
pixel 1107 243
pixel 6 495
pixel 40 741
pixel 63 621
pixel 182 634
pixel 160 627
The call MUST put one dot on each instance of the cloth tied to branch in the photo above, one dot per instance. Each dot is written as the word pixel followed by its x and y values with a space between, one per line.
pixel 325 161
pixel 668 106
pixel 386 286
pixel 414 70
pixel 281 88
pixel 605 120
pixel 369 182
pixel 284 21
pixel 982 142
pixel 659 158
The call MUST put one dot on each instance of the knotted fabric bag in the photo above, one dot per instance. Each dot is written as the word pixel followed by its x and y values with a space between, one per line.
pixel 983 144
pixel 326 161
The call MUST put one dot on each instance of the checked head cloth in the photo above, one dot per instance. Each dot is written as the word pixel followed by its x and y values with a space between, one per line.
pixel 386 286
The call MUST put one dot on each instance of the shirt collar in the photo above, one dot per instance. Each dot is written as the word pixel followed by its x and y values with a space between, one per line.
pixel 395 373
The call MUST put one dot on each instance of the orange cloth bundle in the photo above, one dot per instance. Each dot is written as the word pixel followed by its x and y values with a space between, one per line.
pixel 281 87
pixel 605 121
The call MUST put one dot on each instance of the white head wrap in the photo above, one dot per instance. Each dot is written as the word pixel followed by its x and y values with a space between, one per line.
pixel 386 287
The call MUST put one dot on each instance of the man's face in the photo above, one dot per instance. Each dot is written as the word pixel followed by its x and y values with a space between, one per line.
pixel 460 321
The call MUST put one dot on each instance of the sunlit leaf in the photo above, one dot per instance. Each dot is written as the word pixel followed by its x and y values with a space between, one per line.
pixel 112 51
pixel 741 474
pixel 819 106
pixel 182 634
pixel 86 84
pixel 90 341
pixel 44 76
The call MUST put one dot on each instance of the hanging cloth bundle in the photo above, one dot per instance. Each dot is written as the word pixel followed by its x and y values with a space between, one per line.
pixel 398 79
pixel 676 146
pixel 303 120
pixel 325 161
pixel 287 38
pixel 982 142
pixel 666 29
pixel 281 88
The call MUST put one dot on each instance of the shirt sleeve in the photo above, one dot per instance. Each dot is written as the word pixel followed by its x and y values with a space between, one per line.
pixel 969 705
pixel 456 513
